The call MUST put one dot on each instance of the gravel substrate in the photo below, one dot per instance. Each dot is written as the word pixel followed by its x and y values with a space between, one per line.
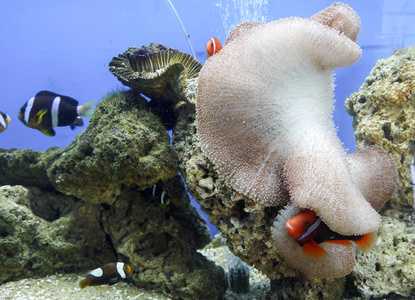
pixel 65 286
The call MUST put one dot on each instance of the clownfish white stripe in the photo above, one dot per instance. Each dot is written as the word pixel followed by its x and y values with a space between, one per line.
pixel 2 121
pixel 310 229
pixel 120 270
pixel 80 110
pixel 214 45
pixel 154 190
pixel 97 272
pixel 28 109
pixel 162 197
pixel 55 111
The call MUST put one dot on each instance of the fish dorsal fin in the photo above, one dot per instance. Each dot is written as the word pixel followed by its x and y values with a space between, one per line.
pixel 40 115
pixel 47 94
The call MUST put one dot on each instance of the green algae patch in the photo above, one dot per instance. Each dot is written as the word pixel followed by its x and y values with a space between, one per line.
pixel 124 144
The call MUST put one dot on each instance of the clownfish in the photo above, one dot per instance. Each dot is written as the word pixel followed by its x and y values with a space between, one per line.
pixel 108 274
pixel 308 230
pixel 48 109
pixel 4 121
pixel 158 193
pixel 213 46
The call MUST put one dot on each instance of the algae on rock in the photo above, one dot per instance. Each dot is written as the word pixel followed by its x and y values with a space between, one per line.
pixel 161 240
pixel 124 144
pixel 43 232
pixel 112 167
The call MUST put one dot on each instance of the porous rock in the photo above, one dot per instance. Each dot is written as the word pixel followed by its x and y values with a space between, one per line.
pixel 383 113
pixel 161 240
pixel 45 232
pixel 389 269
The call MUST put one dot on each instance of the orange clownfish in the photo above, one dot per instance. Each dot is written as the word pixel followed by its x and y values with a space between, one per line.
pixel 308 230
pixel 213 46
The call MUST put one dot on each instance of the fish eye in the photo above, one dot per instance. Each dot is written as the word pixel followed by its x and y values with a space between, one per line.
pixel 306 225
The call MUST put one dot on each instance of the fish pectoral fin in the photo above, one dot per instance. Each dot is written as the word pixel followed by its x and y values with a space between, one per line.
pixel 48 131
pixel 367 241
pixel 84 283
pixel 78 122
pixel 312 250
pixel 40 115
pixel 113 281
pixel 340 242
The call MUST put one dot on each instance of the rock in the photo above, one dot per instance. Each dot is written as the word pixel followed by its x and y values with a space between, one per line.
pixel 116 167
pixel 383 114
pixel 44 232
pixel 27 167
pixel 124 145
pixel 160 241
pixel 389 269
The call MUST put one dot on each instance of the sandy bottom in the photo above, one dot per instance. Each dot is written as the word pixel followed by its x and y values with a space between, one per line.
pixel 65 286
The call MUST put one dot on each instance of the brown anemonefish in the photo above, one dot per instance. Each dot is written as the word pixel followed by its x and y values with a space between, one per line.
pixel 48 109
pixel 109 274
pixel 308 230
pixel 158 193
pixel 213 46
pixel 4 121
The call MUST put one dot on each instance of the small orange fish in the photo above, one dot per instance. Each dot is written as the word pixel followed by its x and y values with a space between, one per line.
pixel 308 230
pixel 213 46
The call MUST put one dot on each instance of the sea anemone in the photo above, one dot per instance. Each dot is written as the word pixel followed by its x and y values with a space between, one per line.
pixel 264 118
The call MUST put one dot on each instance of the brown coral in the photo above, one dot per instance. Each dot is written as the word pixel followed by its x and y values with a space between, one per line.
pixel 156 71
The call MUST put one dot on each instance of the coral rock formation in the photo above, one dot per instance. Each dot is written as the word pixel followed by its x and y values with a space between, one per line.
pixel 384 115
pixel 43 232
pixel 389 270
pixel 383 112
pixel 112 167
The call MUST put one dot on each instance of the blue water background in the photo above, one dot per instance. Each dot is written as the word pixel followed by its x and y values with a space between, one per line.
pixel 65 47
